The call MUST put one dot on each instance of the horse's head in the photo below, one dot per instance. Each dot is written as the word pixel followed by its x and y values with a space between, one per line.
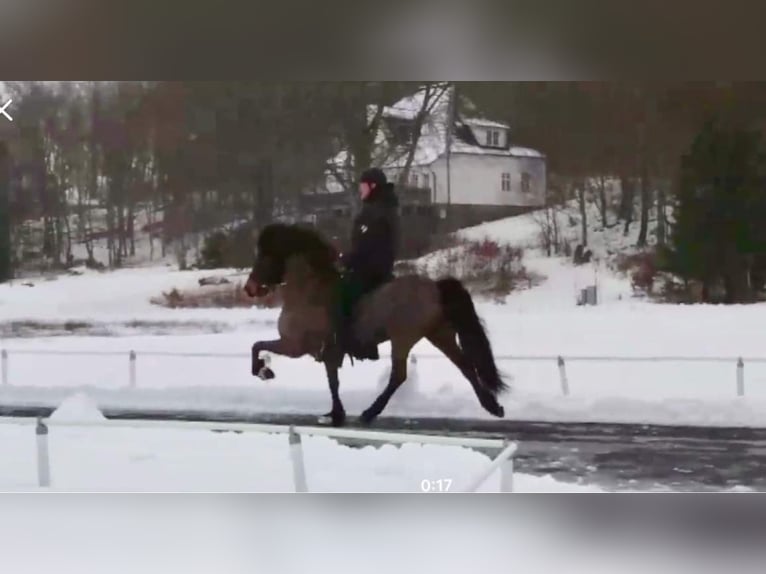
pixel 269 266
pixel 276 244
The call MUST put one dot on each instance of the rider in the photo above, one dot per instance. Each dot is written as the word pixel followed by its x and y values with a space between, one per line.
pixel 370 261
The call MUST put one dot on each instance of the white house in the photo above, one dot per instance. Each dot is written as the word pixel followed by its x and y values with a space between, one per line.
pixel 486 169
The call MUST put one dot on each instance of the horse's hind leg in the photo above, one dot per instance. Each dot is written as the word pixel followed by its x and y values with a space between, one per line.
pixel 444 339
pixel 399 352
pixel 337 416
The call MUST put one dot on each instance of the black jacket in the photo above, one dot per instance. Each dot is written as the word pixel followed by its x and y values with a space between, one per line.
pixel 375 237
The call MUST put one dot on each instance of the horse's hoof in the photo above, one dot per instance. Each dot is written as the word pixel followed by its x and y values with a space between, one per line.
pixel 258 366
pixel 333 419
pixel 497 410
pixel 367 417
pixel 266 374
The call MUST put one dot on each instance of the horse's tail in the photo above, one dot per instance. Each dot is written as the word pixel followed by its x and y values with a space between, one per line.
pixel 459 310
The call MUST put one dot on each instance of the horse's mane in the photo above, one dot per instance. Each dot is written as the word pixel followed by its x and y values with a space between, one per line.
pixel 280 240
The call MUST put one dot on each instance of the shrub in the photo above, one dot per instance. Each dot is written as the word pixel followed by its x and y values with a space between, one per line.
pixel 487 267
pixel 225 296
pixel 232 249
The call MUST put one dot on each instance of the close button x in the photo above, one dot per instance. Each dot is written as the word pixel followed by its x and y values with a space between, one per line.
pixel 5 107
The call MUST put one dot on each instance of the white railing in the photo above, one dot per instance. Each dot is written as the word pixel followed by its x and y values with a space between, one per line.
pixel 561 361
pixel 503 460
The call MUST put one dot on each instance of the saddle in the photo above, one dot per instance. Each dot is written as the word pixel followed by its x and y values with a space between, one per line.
pixel 350 291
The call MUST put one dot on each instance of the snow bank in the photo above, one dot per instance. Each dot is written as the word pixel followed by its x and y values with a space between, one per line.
pixel 78 408
pixel 154 460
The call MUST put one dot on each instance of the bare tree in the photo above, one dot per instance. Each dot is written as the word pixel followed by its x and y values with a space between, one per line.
pixel 432 92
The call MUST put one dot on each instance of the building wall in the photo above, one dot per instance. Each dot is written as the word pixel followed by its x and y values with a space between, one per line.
pixel 478 180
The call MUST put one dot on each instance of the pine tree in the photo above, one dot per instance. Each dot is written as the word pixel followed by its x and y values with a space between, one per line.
pixel 719 235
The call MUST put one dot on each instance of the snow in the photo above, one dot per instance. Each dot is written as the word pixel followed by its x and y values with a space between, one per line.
pixel 432 143
pixel 484 123
pixel 155 460
pixel 529 330
pixel 78 408
pixel 518 151
pixel 117 296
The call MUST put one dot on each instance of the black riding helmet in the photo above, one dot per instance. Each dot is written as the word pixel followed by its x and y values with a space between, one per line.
pixel 384 191
pixel 374 175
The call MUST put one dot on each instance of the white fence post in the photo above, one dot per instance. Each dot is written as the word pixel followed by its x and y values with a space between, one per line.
pixel 43 460
pixel 506 473
pixel 296 454
pixel 499 461
pixel 4 366
pixel 740 377
pixel 132 364
pixel 563 376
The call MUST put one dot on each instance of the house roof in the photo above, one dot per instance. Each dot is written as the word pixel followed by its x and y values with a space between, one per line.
pixel 482 123
pixel 433 137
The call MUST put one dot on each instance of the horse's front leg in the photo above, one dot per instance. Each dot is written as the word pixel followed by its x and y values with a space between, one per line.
pixel 284 347
pixel 337 416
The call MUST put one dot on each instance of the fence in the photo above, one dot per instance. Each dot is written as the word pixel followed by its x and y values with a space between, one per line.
pixel 561 361
pixel 502 461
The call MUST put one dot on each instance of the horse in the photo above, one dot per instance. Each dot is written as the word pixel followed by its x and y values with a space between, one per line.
pixel 302 268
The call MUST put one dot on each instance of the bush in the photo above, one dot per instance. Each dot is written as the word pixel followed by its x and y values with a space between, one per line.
pixel 213 252
pixel 225 296
pixel 233 249
pixel 487 268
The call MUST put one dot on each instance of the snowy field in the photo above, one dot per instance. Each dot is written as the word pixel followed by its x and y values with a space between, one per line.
pixel 195 460
pixel 539 322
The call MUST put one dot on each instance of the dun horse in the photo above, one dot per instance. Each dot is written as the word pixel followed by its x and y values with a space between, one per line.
pixel 303 266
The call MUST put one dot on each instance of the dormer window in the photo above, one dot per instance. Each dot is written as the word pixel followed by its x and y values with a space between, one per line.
pixel 493 138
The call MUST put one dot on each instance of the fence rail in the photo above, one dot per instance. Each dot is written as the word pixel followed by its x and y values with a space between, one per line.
pixel 502 461
pixel 560 360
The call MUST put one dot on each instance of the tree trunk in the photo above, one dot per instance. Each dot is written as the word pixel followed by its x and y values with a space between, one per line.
pixel 59 242
pixel 627 195
pixel 68 235
pixel 131 229
pixel 580 190
pixel 661 223
pixel 110 233
pixel 645 202
pixel 736 279
pixel 602 204
pixel 88 227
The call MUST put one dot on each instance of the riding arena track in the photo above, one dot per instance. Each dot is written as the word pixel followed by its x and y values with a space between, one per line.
pixel 611 456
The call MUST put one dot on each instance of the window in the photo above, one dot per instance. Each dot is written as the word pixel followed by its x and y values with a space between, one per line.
pixel 493 138
pixel 425 180
pixel 505 181
pixel 414 179
pixel 525 181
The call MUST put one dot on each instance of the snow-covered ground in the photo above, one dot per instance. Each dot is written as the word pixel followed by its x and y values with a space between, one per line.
pixel 130 459
pixel 541 321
